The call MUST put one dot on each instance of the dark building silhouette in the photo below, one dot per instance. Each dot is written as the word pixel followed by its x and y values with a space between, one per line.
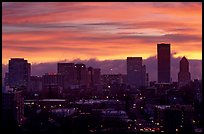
pixel 52 85
pixel 13 106
pixel 108 79
pixel 184 76
pixel 97 75
pixel 164 63
pixel 90 76
pixel 174 118
pixel 6 80
pixel 136 72
pixel 81 74
pixel 94 75
pixel 19 73
pixel 69 73
pixel 35 84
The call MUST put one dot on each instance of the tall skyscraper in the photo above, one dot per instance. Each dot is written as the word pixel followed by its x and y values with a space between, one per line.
pixel 19 73
pixel 135 72
pixel 81 74
pixel 164 63
pixel 94 75
pixel 184 75
pixel 68 71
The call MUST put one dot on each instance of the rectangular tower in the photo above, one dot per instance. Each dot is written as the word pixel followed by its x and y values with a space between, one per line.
pixel 19 73
pixel 164 64
pixel 135 72
pixel 68 71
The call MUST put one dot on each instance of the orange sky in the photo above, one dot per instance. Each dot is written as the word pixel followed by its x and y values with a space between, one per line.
pixel 44 32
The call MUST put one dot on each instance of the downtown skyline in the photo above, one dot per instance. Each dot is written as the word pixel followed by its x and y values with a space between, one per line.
pixel 102 31
pixel 80 67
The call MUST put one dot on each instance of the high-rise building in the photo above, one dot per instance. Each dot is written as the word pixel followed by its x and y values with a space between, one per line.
pixel 12 106
pixel 81 74
pixel 184 76
pixel 49 79
pixel 136 72
pixel 19 73
pixel 52 85
pixel 97 76
pixel 94 75
pixel 164 63
pixel 35 84
pixel 90 77
pixel 68 71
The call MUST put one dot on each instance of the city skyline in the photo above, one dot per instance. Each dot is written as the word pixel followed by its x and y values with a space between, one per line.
pixel 80 67
pixel 117 67
pixel 103 31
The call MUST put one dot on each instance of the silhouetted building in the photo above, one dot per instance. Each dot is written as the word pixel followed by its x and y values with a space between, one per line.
pixel 52 85
pixel 147 79
pixel 13 106
pixel 81 75
pixel 108 79
pixel 136 72
pixel 90 76
pixel 94 75
pixel 68 71
pixel 52 79
pixel 144 76
pixel 97 75
pixel 19 73
pixel 184 76
pixel 164 63
pixel 35 84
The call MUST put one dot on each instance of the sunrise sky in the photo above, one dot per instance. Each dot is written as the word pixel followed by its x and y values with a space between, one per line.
pixel 46 32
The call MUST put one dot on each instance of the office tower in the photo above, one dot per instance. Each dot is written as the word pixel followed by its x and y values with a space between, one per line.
pixel 163 58
pixel 35 84
pixel 81 74
pixel 69 73
pixel 52 85
pixel 97 76
pixel 184 76
pixel 90 77
pixel 19 73
pixel 94 76
pixel 135 72
pixel 12 106
pixel 49 79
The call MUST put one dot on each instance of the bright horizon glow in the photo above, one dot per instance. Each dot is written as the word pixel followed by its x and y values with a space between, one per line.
pixel 51 32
